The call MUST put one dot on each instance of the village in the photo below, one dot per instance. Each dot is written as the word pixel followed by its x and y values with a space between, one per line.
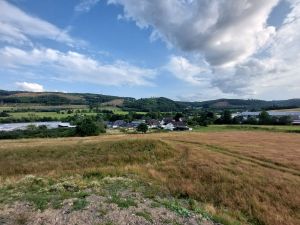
pixel 166 124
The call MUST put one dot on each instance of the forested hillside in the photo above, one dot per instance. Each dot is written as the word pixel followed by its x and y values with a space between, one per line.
pixel 143 104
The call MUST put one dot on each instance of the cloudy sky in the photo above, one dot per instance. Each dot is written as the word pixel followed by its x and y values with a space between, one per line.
pixel 182 49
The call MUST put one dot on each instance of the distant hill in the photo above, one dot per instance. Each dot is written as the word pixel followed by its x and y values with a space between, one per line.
pixel 56 98
pixel 143 104
pixel 250 104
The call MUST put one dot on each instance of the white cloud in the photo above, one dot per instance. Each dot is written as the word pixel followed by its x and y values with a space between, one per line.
pixel 34 87
pixel 186 71
pixel 17 27
pixel 225 32
pixel 85 5
pixel 72 66
pixel 275 73
pixel 245 56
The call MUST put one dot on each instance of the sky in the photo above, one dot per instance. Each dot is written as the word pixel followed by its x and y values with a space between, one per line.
pixel 189 50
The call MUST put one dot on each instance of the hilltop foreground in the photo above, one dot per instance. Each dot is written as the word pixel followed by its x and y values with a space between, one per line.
pixel 228 177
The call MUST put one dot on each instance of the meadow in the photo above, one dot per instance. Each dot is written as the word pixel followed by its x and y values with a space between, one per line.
pixel 236 177
pixel 55 115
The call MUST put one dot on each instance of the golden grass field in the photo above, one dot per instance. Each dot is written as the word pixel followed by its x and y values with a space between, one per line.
pixel 244 177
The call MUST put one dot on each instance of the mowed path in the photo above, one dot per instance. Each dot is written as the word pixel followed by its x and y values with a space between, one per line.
pixel 279 151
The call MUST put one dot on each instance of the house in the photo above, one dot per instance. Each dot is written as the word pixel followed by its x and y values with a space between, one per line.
pixel 152 124
pixel 136 123
pixel 118 123
pixel 179 126
pixel 66 125
pixel 296 122
pixel 129 126
pixel 165 121
pixel 108 124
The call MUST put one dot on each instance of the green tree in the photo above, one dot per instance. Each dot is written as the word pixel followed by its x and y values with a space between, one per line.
pixel 264 118
pixel 178 116
pixel 87 127
pixel 251 120
pixel 285 120
pixel 226 117
pixel 4 114
pixel 142 128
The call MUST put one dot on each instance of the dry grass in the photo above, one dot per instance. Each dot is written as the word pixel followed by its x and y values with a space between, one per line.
pixel 252 177
pixel 60 158
pixel 280 149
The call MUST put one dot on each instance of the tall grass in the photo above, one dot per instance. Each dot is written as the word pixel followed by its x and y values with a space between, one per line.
pixel 233 189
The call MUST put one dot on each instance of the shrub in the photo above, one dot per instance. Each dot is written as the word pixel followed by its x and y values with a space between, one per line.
pixel 142 128
pixel 87 127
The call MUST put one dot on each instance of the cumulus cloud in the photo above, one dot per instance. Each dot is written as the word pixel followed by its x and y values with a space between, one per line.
pixel 225 32
pixel 246 57
pixel 34 87
pixel 85 5
pixel 73 66
pixel 184 70
pixel 276 69
pixel 17 27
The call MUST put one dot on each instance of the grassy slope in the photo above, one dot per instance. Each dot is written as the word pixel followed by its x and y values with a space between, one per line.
pixel 238 176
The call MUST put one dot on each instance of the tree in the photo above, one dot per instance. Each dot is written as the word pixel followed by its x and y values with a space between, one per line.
pixel 142 128
pixel 178 116
pixel 4 114
pixel 251 120
pixel 226 117
pixel 264 118
pixel 87 127
pixel 285 120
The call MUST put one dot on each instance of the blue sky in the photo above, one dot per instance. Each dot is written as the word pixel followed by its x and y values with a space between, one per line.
pixel 190 50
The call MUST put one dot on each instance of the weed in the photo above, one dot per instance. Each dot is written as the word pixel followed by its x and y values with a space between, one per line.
pixel 155 205
pixel 21 219
pixel 146 215
pixel 79 204
pixel 93 174
pixel 123 203
pixel 177 208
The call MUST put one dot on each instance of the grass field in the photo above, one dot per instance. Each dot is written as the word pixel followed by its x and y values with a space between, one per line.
pixel 40 107
pixel 236 177
pixel 272 128
pixel 30 110
pixel 57 115
pixel 43 114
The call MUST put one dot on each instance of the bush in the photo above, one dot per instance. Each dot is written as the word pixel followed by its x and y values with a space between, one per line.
pixel 4 114
pixel 87 127
pixel 142 128
pixel 38 132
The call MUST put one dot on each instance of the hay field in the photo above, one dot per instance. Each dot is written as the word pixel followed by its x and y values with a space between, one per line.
pixel 239 177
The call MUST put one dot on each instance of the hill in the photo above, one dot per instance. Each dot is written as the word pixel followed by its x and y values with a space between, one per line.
pixel 144 104
pixel 56 98
pixel 229 178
